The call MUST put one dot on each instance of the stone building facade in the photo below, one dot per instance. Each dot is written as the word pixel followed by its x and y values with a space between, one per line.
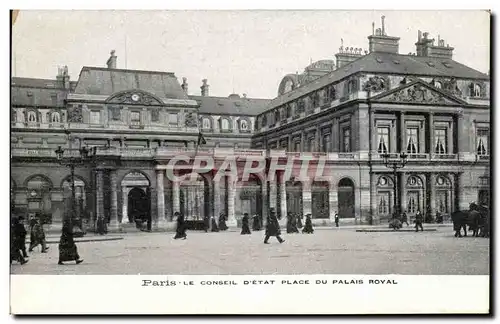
pixel 135 122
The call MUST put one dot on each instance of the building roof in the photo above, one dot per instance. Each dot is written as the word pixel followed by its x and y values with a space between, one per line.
pixel 389 63
pixel 37 92
pixel 105 81
pixel 232 105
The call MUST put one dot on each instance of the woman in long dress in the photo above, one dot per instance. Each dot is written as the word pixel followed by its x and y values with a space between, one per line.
pixel 245 228
pixel 67 246
pixel 222 222
pixel 308 228
pixel 181 227
pixel 256 223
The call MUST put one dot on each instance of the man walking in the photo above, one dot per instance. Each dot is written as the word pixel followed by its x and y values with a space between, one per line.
pixel 418 221
pixel 37 235
pixel 404 219
pixel 336 219
pixel 273 228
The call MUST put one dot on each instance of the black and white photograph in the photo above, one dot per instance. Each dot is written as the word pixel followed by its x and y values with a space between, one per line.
pixel 269 145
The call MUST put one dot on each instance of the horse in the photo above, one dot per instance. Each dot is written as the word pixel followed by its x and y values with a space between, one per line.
pixel 462 218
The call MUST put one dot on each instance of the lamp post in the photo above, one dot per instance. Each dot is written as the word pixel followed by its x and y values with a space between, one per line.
pixel 71 162
pixel 395 165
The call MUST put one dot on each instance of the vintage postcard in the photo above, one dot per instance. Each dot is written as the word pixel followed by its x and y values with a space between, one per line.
pixel 250 162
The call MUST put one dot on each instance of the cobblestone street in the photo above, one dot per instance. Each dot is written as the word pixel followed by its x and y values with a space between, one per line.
pixel 327 251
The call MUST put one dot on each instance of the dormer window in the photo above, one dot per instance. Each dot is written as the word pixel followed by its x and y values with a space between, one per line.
pixel 32 116
pixel 244 125
pixel 475 90
pixel 225 125
pixel 276 115
pixel 438 85
pixel 206 123
pixel 288 111
pixel 331 93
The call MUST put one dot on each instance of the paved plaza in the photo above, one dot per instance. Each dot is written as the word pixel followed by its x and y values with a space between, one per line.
pixel 327 251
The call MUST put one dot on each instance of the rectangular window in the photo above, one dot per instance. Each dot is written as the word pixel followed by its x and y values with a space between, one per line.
pixel 95 117
pixel 383 139
pixel 440 141
pixel 327 143
pixel 173 119
pixel 135 117
pixel 442 201
pixel 412 142
pixel 384 203
pixel 346 139
pixel 311 144
pixel 482 140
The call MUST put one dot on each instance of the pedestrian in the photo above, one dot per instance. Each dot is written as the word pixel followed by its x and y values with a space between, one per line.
pixel 15 243
pixel 404 219
pixel 222 222
pixel 206 223
pixel 273 228
pixel 37 235
pixel 418 221
pixel 215 228
pixel 439 218
pixel 101 227
pixel 256 226
pixel 67 246
pixel 180 231
pixel 289 223
pixel 308 228
pixel 299 217
pixel 20 234
pixel 336 219
pixel 245 228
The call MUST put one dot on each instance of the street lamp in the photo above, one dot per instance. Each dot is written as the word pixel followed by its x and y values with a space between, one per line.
pixel 71 162
pixel 395 164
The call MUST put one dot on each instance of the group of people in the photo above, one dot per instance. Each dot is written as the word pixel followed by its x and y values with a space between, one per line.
pixel 398 220
pixel 67 247
pixel 294 222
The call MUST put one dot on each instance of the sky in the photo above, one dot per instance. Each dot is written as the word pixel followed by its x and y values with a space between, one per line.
pixel 237 51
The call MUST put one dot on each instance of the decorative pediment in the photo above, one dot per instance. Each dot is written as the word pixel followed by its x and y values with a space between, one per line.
pixel 418 92
pixel 134 97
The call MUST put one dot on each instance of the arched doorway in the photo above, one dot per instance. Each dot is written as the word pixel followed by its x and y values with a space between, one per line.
pixel 385 199
pixel 81 199
pixel 346 198
pixel 414 195
pixel 294 197
pixel 194 197
pixel 136 197
pixel 39 197
pixel 250 196
pixel 138 205
pixel 320 201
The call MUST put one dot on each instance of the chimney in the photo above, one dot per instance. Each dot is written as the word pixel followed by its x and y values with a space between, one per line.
pixel 63 77
pixel 380 42
pixel 204 88
pixel 112 60
pixel 425 47
pixel 184 85
pixel 347 55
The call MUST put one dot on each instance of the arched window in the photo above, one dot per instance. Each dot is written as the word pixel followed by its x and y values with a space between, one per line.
pixel 384 196
pixel 443 195
pixel 244 125
pixel 414 196
pixel 225 124
pixel 206 123
pixel 438 85
pixel 55 117
pixel 331 93
pixel 31 116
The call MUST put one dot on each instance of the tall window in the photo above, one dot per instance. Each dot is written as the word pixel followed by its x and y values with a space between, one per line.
pixel 482 141
pixel 173 119
pixel 243 125
pixel 31 117
pixel 327 143
pixel 412 202
pixel 135 117
pixel 310 144
pixel 346 140
pixel 95 117
pixel 384 203
pixel 206 123
pixel 296 146
pixel 412 140
pixel 440 146
pixel 224 124
pixel 442 201
pixel 55 117
pixel 383 139
pixel 288 110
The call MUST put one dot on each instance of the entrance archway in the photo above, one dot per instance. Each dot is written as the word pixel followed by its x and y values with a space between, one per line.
pixel 250 196
pixel 294 198
pixel 138 205
pixel 136 197
pixel 80 197
pixel 39 196
pixel 320 201
pixel 346 198
pixel 194 197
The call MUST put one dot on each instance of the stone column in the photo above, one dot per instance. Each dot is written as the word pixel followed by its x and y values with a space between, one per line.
pixel 231 192
pixel 99 194
pixel 462 203
pixel 307 197
pixel 217 208
pixel 160 196
pixel 273 194
pixel 431 133
pixel 265 203
pixel 113 221
pixel 124 205
pixel 282 193
pixel 374 133
pixel 373 199
pixel 176 203
pixel 402 132
pixel 335 135
pixel 333 199
pixel 402 191
pixel 432 193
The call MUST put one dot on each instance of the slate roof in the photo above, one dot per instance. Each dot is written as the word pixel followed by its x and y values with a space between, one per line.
pixel 232 105
pixel 37 92
pixel 389 63
pixel 104 81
